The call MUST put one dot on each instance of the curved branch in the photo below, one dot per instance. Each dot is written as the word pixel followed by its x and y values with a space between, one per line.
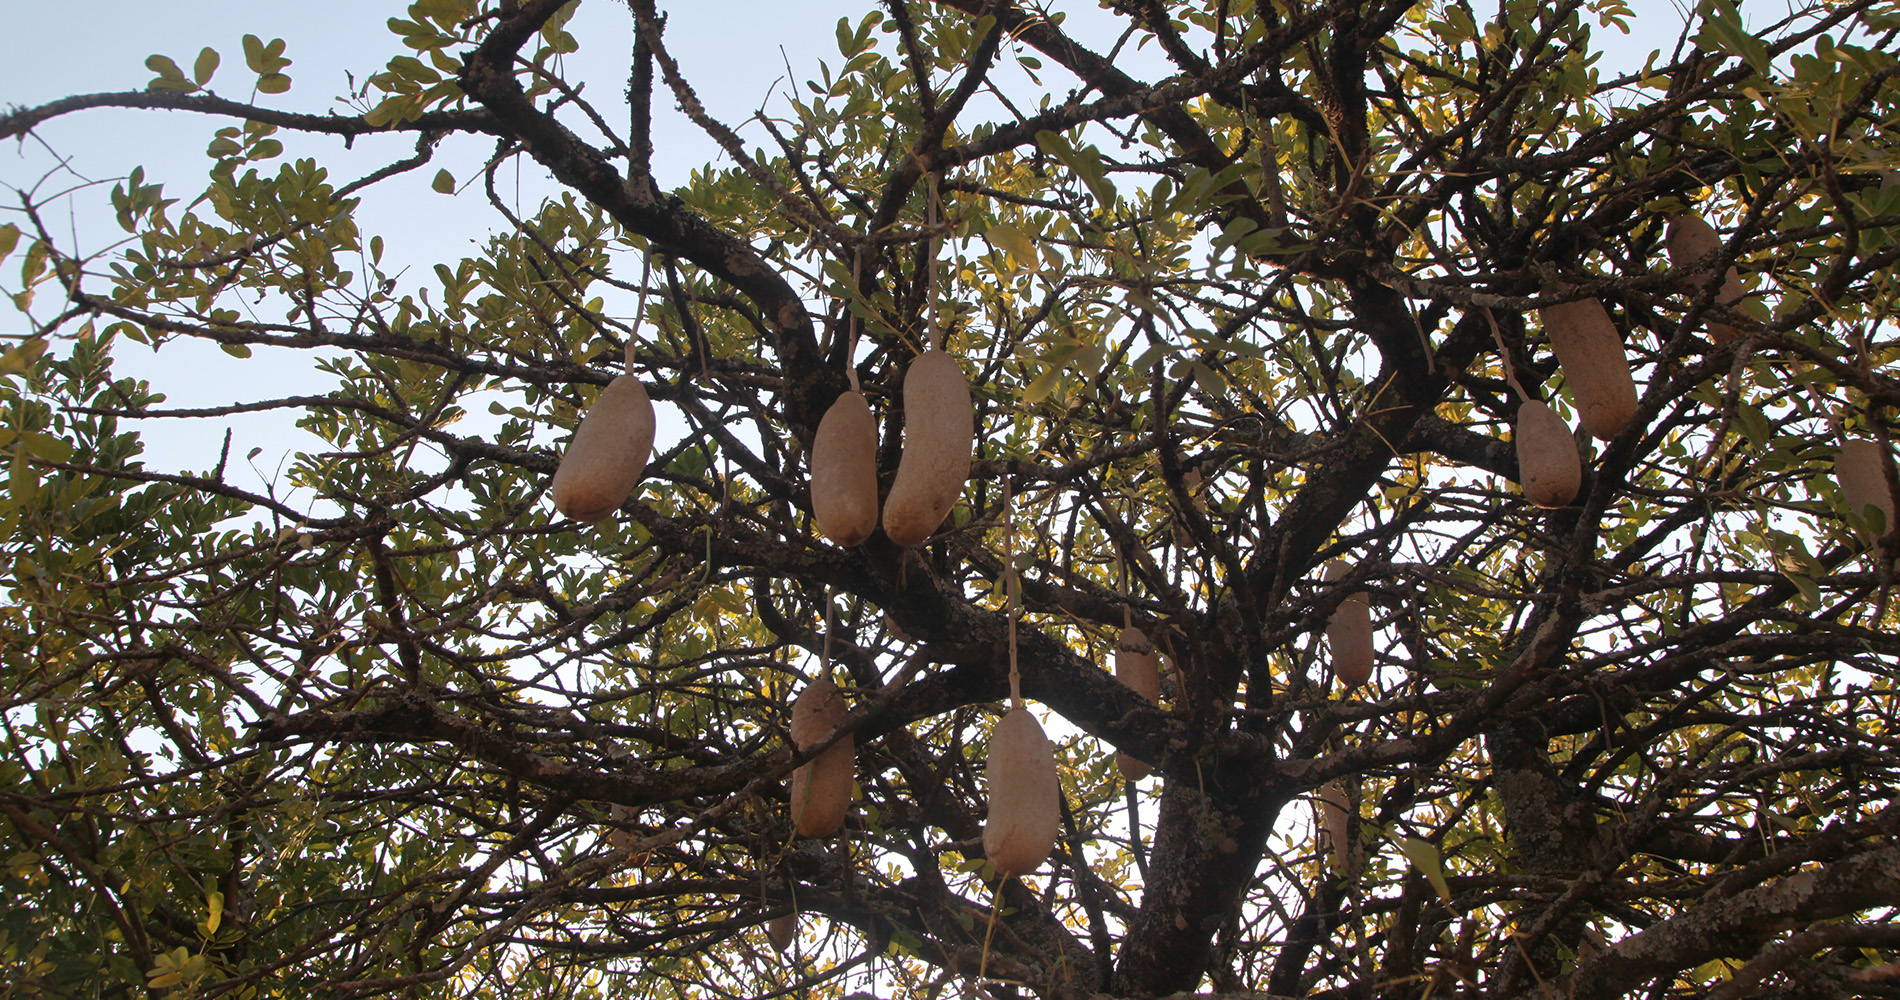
pixel 488 76
pixel 21 121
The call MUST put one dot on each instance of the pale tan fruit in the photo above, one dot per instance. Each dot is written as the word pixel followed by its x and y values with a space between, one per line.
pixel 1548 466
pixel 608 453
pixel 821 788
pixel 780 930
pixel 939 434
pixel 1349 635
pixel 1334 806
pixel 1025 795
pixel 1138 666
pixel 1590 351
pixel 844 471
pixel 1689 239
pixel 1863 478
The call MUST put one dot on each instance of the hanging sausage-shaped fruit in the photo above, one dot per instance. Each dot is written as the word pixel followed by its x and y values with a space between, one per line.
pixel 1349 634
pixel 1688 239
pixel 1025 795
pixel 939 435
pixel 1862 476
pixel 1549 469
pixel 821 787
pixel 1590 352
pixel 608 454
pixel 844 471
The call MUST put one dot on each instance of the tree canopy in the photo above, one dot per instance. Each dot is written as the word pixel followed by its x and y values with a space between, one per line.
pixel 1252 289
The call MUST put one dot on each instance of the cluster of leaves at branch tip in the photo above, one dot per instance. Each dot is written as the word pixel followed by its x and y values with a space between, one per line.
pixel 266 59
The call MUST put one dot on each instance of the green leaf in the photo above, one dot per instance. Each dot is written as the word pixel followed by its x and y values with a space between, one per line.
pixel 1210 381
pixel 1723 29
pixel 264 58
pixel 9 238
pixel 235 350
pixel 170 78
pixel 1425 858
pixel 164 67
pixel 48 447
pixel 206 65
pixel 21 358
pixel 391 109
pixel 273 83
pixel 444 182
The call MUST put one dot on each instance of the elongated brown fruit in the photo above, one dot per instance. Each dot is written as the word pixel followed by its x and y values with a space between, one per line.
pixel 1590 351
pixel 844 471
pixel 1689 239
pixel 608 453
pixel 1025 795
pixel 1548 466
pixel 939 433
pixel 1138 666
pixel 1334 803
pixel 1349 635
pixel 780 930
pixel 821 788
pixel 1863 480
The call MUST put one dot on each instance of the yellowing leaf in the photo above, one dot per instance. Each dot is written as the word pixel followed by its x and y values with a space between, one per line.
pixel 1038 390
pixel 1014 242
pixel 1425 858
